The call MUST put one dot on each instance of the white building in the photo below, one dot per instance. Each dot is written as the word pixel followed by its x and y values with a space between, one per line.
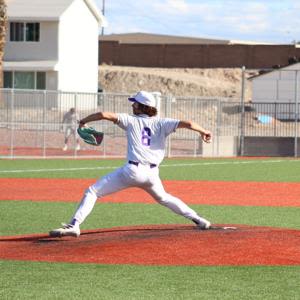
pixel 52 45
pixel 280 86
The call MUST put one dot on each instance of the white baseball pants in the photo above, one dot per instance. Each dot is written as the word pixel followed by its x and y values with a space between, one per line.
pixel 129 175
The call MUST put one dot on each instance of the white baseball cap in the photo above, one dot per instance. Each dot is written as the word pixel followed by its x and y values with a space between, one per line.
pixel 144 97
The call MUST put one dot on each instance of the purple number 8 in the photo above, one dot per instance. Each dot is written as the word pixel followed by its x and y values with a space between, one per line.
pixel 146 136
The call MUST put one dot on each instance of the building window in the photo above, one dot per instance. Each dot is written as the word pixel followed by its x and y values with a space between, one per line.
pixel 40 80
pixel 32 32
pixel 24 32
pixel 8 80
pixel 25 80
pixel 16 32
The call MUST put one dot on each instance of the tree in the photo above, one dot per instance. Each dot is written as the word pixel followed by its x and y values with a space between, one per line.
pixel 3 24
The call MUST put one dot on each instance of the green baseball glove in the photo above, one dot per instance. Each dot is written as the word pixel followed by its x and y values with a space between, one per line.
pixel 90 135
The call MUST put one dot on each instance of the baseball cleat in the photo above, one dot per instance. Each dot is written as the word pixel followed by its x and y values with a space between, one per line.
pixel 65 230
pixel 202 224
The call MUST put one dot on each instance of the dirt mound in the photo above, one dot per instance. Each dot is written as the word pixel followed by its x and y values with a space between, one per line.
pixel 176 82
pixel 162 245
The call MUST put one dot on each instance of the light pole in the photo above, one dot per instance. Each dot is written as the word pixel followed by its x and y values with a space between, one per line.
pixel 103 13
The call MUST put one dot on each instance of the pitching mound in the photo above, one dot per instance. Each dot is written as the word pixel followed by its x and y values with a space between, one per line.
pixel 162 245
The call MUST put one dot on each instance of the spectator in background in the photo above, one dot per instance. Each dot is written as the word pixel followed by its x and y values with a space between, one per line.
pixel 69 126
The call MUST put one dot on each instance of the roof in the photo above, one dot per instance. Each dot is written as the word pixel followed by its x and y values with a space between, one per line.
pixel 239 42
pixel 148 38
pixel 42 65
pixel 44 10
pixel 151 38
pixel 292 66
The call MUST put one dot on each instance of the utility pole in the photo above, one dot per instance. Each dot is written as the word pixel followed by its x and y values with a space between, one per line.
pixel 103 13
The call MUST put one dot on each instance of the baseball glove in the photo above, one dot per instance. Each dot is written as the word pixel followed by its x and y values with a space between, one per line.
pixel 90 135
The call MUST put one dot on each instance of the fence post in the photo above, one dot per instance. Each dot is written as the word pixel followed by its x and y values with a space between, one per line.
pixel 12 98
pixel 157 96
pixel 75 143
pixel 296 115
pixel 104 146
pixel 242 133
pixel 196 137
pixel 275 118
pixel 218 131
pixel 168 113
pixel 44 124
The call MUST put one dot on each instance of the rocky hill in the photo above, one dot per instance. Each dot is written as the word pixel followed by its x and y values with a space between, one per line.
pixel 176 82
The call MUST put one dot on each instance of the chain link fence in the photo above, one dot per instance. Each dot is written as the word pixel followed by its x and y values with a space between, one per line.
pixel 31 122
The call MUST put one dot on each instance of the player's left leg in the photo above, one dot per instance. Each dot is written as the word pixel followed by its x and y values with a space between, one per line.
pixel 67 136
pixel 157 191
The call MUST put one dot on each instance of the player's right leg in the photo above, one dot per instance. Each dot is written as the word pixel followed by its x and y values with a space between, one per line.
pixel 108 184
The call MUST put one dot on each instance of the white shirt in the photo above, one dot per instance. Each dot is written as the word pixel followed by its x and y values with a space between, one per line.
pixel 71 119
pixel 146 137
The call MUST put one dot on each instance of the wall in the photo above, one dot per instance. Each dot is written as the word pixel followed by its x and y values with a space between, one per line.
pixel 51 80
pixel 270 146
pixel 224 146
pixel 78 50
pixel 195 56
pixel 276 86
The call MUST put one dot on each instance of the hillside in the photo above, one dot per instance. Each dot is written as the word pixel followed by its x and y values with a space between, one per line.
pixel 177 82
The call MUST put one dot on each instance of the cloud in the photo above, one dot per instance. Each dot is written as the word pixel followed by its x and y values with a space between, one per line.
pixel 171 7
pixel 182 7
pixel 178 5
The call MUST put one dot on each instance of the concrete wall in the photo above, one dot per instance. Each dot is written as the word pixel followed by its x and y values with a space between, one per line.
pixel 225 146
pixel 228 146
pixel 195 56
pixel 270 146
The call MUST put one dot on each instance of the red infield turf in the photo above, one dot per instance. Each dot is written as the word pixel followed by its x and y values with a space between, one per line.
pixel 193 192
pixel 163 244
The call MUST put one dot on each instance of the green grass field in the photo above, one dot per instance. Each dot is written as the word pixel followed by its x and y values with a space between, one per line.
pixel 40 280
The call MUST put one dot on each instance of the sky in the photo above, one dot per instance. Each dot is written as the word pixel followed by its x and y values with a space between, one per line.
pixel 270 21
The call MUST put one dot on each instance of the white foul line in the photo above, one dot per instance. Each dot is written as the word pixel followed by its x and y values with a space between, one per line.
pixel 162 166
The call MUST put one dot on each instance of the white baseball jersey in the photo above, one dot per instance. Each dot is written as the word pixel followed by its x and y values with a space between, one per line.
pixel 146 136
pixel 146 145
pixel 70 119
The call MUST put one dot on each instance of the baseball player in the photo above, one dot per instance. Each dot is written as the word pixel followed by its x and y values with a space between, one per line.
pixel 146 137
pixel 69 124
